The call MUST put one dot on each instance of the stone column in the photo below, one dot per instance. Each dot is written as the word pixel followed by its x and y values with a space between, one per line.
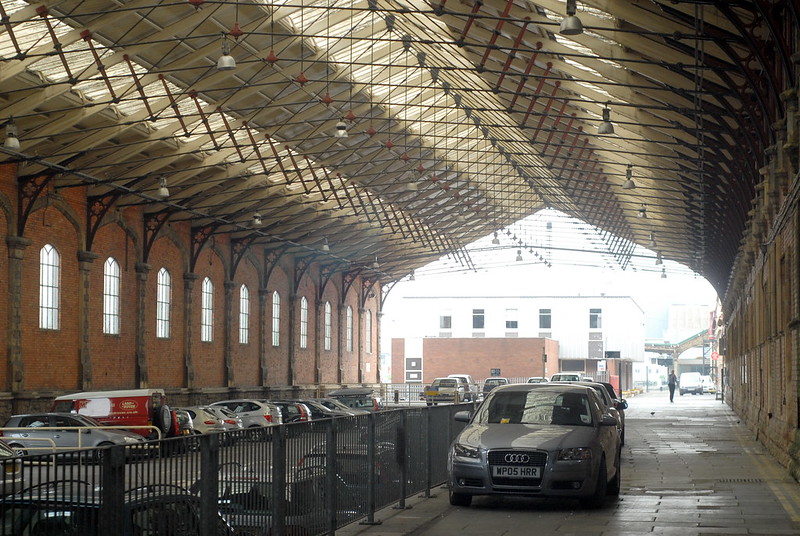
pixel 263 343
pixel 85 261
pixel 188 286
pixel 292 354
pixel 377 331
pixel 340 342
pixel 359 342
pixel 16 253
pixel 228 334
pixel 142 269
pixel 319 341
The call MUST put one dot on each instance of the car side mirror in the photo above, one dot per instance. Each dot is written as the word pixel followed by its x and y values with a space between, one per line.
pixel 609 420
pixel 623 403
pixel 462 416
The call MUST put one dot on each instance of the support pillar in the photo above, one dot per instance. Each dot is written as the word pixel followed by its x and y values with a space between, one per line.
pixel 85 261
pixel 188 308
pixel 228 334
pixel 16 368
pixel 142 269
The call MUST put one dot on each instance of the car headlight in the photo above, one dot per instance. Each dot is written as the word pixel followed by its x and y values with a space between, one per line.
pixel 466 451
pixel 576 454
pixel 132 440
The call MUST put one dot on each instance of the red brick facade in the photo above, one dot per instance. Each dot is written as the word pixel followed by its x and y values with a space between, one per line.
pixel 79 356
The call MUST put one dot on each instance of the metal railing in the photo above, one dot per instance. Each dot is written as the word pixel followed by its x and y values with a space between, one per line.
pixel 298 478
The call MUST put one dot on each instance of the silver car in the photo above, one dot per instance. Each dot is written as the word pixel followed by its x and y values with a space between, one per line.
pixel 536 439
pixel 254 413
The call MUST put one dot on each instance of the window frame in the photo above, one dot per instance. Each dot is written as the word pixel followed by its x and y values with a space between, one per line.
pixel 49 288
pixel 276 319
pixel 548 315
pixel 163 303
pixel 368 331
pixel 244 314
pixel 348 334
pixel 327 337
pixel 112 280
pixel 303 322
pixel 595 318
pixel 207 310
pixel 479 318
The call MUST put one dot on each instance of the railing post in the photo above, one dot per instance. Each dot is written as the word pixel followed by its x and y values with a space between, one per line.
pixel 331 476
pixel 278 480
pixel 428 447
pixel 209 484
pixel 371 480
pixel 113 493
pixel 402 458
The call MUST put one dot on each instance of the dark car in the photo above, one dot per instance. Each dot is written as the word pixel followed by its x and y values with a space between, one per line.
pixel 536 439
pixel 358 398
pixel 620 403
pixel 72 508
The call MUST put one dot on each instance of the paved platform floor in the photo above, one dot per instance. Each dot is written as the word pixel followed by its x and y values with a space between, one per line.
pixel 689 469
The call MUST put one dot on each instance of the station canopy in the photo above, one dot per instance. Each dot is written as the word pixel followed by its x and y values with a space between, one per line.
pixel 381 135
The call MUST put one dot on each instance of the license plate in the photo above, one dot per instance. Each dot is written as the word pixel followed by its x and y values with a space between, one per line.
pixel 432 393
pixel 516 471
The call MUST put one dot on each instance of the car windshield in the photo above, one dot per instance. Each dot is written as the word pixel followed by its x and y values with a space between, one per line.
pixel 536 407
pixel 446 383
pixel 496 382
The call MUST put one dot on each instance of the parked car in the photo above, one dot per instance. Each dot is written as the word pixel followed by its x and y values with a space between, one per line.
pixel 690 382
pixel 11 466
pixel 48 433
pixel 293 411
pixel 255 414
pixel 320 411
pixel 205 420
pixel 609 405
pixel 358 398
pixel 469 385
pixel 444 390
pixel 537 379
pixel 491 383
pixel 538 440
pixel 565 377
pixel 708 384
pixel 620 403
pixel 73 508
pixel 332 403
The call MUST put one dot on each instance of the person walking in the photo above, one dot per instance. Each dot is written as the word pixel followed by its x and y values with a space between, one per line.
pixel 672 381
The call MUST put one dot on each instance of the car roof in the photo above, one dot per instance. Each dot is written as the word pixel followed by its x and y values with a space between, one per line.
pixel 352 391
pixel 564 387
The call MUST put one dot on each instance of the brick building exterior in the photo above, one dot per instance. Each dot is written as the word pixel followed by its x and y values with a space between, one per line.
pixel 79 354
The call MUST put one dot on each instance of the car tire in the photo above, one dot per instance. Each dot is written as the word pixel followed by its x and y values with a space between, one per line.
pixel 596 499
pixel 99 451
pixel 460 499
pixel 19 449
pixel 616 483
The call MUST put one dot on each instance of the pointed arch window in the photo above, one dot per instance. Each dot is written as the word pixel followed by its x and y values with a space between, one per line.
pixel 348 336
pixel 49 287
pixel 328 326
pixel 303 322
pixel 207 311
pixel 163 303
pixel 111 284
pixel 276 319
pixel 244 314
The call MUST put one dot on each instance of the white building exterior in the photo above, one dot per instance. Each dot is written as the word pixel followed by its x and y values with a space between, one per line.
pixel 586 327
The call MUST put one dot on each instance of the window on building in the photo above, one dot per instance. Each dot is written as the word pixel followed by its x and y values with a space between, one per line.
pixel 49 291
pixel 545 319
pixel 303 322
pixel 348 337
pixel 276 319
pixel 595 318
pixel 207 311
pixel 328 325
pixel 368 332
pixel 163 303
pixel 111 279
pixel 511 319
pixel 244 314
pixel 477 319
pixel 446 320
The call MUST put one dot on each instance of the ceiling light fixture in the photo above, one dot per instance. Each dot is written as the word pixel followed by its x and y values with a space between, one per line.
pixel 256 220
pixel 663 273
pixel 606 127
pixel 12 138
pixel 163 191
pixel 341 129
pixel 629 184
pixel 571 25
pixel 652 243
pixel 495 240
pixel 325 247
pixel 519 255
pixel 643 211
pixel 376 264
pixel 411 276
pixel 226 61
pixel 658 259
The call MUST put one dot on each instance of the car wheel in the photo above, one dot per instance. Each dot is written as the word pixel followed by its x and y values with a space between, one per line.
pixel 99 451
pixel 596 499
pixel 18 449
pixel 614 485
pixel 193 441
pixel 460 499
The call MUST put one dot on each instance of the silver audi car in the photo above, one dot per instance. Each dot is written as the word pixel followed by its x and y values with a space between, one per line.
pixel 540 439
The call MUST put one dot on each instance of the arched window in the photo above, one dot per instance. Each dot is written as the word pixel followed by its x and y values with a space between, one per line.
pixel 327 325
pixel 163 303
pixel 368 332
pixel 349 329
pixel 111 279
pixel 49 279
pixel 276 319
pixel 207 311
pixel 303 322
pixel 244 314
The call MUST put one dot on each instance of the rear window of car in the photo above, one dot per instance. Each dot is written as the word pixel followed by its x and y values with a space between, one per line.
pixel 446 382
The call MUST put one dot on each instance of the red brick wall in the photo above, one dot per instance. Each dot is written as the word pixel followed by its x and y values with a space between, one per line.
pixel 208 357
pixel 246 366
pixel 329 363
pixel 277 357
pixel 350 359
pixel 304 357
pixel 515 357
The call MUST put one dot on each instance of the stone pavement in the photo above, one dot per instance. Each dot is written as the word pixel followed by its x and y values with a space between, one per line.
pixel 689 469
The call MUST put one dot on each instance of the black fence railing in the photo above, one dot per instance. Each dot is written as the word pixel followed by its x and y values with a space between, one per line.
pixel 297 479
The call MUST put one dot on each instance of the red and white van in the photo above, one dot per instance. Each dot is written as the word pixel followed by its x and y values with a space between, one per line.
pixel 127 407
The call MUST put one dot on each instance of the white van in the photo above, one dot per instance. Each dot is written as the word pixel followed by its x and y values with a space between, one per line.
pixel 690 382
pixel 565 377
